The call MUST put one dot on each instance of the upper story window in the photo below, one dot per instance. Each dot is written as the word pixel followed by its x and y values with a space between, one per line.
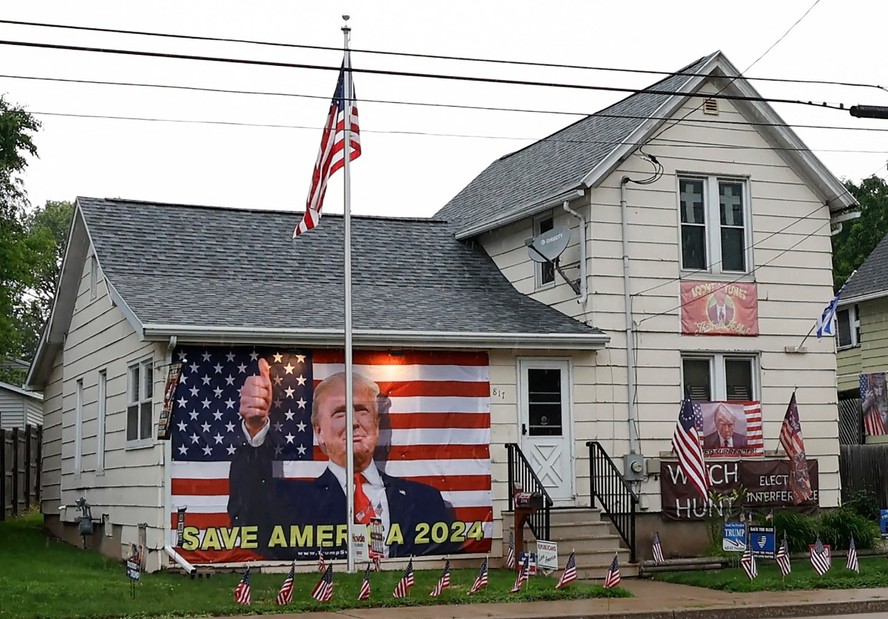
pixel 715 228
pixel 545 271
pixel 140 389
pixel 93 277
pixel 717 377
pixel 849 326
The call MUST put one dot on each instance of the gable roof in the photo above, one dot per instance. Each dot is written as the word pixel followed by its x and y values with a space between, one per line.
pixel 870 280
pixel 22 392
pixel 214 274
pixel 581 155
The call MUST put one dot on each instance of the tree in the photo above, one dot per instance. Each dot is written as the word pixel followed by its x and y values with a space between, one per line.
pixel 45 239
pixel 859 237
pixel 16 261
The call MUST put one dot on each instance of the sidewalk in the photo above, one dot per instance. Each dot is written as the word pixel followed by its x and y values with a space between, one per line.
pixel 655 600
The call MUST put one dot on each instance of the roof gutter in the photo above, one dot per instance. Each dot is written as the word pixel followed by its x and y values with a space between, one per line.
pixel 521 212
pixel 377 338
pixel 872 296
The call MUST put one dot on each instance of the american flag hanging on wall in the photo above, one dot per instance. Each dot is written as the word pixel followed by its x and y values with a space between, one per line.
pixel 437 433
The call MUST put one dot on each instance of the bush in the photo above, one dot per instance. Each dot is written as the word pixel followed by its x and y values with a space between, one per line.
pixel 800 530
pixel 864 503
pixel 834 527
pixel 838 525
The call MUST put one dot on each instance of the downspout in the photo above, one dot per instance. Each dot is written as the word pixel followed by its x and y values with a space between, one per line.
pixel 175 556
pixel 630 334
pixel 583 240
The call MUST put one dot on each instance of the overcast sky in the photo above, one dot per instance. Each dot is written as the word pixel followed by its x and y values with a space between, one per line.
pixel 415 157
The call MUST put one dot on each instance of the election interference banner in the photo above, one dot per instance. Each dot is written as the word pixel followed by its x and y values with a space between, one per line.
pixel 279 494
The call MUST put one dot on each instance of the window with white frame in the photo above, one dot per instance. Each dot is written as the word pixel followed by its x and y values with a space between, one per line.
pixel 78 429
pixel 545 271
pixel 101 408
pixel 140 387
pixel 715 226
pixel 718 376
pixel 93 277
pixel 849 326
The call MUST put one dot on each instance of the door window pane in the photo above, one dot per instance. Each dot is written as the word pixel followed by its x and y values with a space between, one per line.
pixel 544 402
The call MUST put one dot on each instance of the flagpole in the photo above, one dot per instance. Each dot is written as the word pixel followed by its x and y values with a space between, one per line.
pixel 347 96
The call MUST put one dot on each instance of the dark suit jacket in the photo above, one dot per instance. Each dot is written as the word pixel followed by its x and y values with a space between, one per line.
pixel 713 441
pixel 257 498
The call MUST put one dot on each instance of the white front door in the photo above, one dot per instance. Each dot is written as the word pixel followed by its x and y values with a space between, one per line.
pixel 546 426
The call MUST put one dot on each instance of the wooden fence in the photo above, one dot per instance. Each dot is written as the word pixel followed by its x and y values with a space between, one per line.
pixel 864 467
pixel 19 470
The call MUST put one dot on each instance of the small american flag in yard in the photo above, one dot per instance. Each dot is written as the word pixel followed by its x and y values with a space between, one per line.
pixel 570 572
pixel 852 563
pixel 323 591
pixel 612 579
pixel 365 585
pixel 657 549
pixel 748 562
pixel 783 557
pixel 819 559
pixel 285 595
pixel 443 582
pixel 480 579
pixel 406 582
pixel 242 591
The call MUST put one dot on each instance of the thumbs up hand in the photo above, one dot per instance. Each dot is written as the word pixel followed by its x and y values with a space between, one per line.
pixel 255 399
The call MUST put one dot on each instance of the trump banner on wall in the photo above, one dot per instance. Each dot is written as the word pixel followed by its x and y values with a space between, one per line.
pixel 258 453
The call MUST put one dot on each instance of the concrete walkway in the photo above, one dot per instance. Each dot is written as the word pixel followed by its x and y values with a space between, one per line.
pixel 655 600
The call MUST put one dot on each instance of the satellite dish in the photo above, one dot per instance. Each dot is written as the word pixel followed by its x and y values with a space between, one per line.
pixel 549 245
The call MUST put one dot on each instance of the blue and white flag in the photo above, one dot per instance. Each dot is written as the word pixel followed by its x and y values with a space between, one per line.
pixel 826 324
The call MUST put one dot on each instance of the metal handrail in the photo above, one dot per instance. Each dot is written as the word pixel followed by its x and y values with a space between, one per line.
pixel 613 492
pixel 521 473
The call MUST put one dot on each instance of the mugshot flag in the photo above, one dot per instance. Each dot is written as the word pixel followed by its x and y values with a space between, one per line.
pixel 331 156
pixel 794 445
pixel 686 444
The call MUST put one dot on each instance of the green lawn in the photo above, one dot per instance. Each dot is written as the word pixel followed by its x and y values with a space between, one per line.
pixel 48 579
pixel 873 573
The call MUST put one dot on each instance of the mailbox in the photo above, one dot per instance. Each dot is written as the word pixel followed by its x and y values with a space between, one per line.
pixel 529 501
pixel 525 503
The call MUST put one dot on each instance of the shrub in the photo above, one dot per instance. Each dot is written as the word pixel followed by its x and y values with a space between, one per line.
pixel 838 525
pixel 864 503
pixel 800 530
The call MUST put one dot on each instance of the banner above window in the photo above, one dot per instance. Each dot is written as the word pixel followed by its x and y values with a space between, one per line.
pixel 718 308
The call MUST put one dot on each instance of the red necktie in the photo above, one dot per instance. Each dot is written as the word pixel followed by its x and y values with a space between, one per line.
pixel 363 508
pixel 726 445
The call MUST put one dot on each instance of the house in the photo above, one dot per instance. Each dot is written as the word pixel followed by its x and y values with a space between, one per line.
pixel 691 236
pixel 862 341
pixel 19 408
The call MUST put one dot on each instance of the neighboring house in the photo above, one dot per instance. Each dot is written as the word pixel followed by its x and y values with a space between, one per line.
pixel 862 338
pixel 19 407
pixel 730 235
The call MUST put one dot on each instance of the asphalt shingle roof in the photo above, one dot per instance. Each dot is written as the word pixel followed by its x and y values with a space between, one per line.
pixel 215 267
pixel 558 162
pixel 872 276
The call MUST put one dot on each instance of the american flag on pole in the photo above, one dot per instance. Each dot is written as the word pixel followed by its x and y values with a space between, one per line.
pixel 323 591
pixel 480 579
pixel 657 550
pixel 242 590
pixel 523 574
pixel 686 444
pixel 331 156
pixel 852 562
pixel 406 582
pixel 285 595
pixel 443 582
pixel 364 594
pixel 322 565
pixel 510 557
pixel 791 439
pixel 612 578
pixel 820 559
pixel 570 572
pixel 438 434
pixel 748 562
pixel 782 557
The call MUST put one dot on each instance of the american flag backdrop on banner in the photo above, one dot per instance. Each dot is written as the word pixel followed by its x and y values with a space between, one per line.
pixel 437 430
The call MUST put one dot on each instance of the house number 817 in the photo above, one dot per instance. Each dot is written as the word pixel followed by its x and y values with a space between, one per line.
pixel 496 392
